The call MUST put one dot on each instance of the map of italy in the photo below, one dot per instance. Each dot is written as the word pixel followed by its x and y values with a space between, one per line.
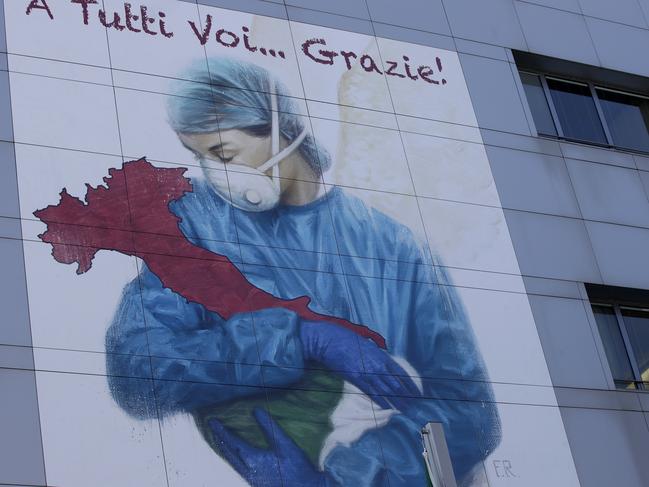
pixel 131 215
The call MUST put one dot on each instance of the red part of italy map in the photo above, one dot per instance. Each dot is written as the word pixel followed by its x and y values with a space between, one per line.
pixel 131 215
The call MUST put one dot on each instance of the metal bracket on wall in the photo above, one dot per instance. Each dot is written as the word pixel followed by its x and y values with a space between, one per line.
pixel 438 460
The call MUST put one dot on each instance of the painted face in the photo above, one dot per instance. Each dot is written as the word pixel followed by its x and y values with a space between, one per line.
pixel 243 169
pixel 231 146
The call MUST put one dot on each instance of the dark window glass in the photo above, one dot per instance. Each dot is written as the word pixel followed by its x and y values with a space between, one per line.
pixel 538 104
pixel 618 359
pixel 627 118
pixel 637 326
pixel 576 111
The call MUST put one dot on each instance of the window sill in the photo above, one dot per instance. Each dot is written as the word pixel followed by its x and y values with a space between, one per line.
pixel 594 145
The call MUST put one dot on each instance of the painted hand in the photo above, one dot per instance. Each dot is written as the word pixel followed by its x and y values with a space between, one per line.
pixel 283 464
pixel 359 361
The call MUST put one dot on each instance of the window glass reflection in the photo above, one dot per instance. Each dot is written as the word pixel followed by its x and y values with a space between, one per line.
pixel 576 111
pixel 618 359
pixel 627 118
pixel 637 326
pixel 538 104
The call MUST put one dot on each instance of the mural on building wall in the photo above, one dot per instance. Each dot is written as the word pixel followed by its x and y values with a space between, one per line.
pixel 285 244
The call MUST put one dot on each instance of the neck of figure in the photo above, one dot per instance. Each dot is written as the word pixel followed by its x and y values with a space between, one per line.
pixel 299 184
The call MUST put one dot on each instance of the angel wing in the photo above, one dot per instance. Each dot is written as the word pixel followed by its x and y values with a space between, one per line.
pixel 368 157
pixel 453 163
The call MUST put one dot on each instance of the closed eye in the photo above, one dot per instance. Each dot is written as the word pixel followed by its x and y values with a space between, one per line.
pixel 219 157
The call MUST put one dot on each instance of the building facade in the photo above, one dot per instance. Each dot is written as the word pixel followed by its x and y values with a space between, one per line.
pixel 265 242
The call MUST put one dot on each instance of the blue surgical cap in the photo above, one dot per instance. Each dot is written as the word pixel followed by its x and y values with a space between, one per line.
pixel 224 93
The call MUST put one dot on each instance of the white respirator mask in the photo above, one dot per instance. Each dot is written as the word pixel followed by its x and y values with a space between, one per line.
pixel 246 187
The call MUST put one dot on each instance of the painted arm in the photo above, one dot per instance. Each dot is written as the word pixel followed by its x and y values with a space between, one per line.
pixel 193 356
pixel 454 377
pixel 456 392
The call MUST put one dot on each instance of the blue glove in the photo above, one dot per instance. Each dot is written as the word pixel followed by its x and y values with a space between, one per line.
pixel 359 361
pixel 284 464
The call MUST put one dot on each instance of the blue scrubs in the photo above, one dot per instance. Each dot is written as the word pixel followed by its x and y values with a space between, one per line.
pixel 355 263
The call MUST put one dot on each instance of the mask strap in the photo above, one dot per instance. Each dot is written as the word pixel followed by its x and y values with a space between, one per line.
pixel 277 154
pixel 276 159
pixel 274 116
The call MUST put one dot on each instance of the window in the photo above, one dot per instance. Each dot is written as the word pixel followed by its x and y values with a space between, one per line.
pixel 576 111
pixel 610 331
pixel 624 330
pixel 585 112
pixel 627 118
pixel 535 93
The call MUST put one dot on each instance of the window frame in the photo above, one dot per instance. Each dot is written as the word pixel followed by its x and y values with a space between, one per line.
pixel 593 87
pixel 638 383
